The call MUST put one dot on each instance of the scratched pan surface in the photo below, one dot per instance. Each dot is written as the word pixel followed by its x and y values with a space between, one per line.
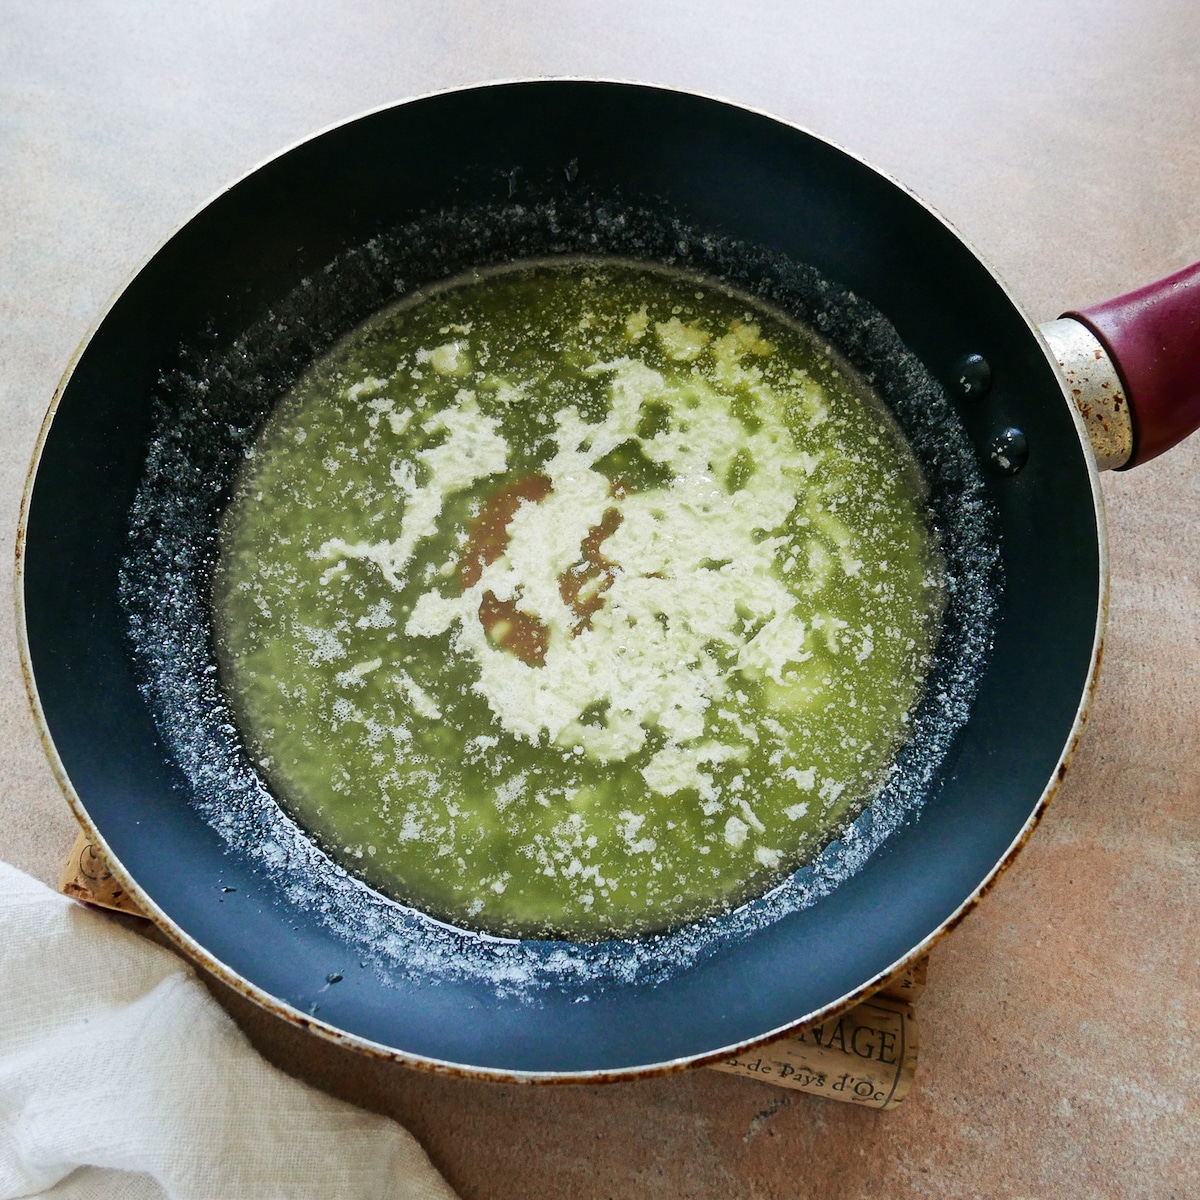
pixel 244 295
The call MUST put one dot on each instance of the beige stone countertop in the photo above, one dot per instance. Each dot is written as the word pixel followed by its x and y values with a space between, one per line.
pixel 1060 1050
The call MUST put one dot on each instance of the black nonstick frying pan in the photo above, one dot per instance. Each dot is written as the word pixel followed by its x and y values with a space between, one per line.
pixel 150 421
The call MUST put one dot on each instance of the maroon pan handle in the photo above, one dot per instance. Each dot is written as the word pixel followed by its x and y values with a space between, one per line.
pixel 1152 336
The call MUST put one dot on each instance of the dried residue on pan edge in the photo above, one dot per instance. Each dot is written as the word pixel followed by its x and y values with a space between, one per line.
pixel 209 410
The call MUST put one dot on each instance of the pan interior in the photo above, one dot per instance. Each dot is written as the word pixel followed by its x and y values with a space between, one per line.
pixel 576 599
pixel 210 409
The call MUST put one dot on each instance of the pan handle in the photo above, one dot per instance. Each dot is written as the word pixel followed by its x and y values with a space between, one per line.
pixel 1152 337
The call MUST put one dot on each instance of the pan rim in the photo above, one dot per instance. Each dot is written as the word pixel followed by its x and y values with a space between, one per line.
pixel 194 951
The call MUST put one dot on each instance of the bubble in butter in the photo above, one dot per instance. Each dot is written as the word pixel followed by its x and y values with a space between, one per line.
pixel 577 599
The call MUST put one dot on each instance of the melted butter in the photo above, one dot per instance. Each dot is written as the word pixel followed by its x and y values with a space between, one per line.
pixel 579 599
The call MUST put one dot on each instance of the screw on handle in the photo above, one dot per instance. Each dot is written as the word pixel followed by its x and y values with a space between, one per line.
pixel 1152 336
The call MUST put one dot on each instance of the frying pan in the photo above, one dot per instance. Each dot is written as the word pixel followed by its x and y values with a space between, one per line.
pixel 233 306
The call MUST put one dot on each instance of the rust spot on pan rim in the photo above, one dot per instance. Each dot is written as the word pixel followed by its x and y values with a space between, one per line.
pixel 192 949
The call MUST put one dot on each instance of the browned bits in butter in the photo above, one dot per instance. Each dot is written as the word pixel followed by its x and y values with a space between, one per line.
pixel 489 531
pixel 582 587
pixel 513 630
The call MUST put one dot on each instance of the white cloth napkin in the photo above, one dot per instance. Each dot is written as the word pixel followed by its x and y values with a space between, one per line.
pixel 121 1078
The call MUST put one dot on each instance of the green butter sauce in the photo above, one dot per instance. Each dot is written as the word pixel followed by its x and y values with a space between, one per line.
pixel 576 599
